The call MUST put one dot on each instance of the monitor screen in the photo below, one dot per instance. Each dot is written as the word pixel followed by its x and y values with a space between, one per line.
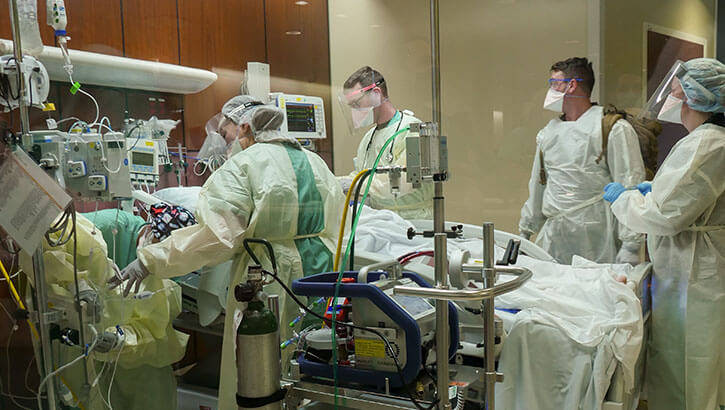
pixel 142 158
pixel 301 117
pixel 414 305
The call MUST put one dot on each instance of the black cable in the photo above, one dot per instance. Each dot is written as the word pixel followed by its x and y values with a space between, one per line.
pixel 374 331
pixel 360 183
pixel 137 138
pixel 270 251
pixel 425 352
pixel 60 225
pixel 17 69
pixel 30 86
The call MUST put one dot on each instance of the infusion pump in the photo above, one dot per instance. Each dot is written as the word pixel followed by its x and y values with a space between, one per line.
pixel 90 166
pixel 304 115
pixel 143 159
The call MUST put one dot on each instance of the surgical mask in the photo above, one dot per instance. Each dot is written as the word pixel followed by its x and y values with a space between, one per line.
pixel 362 117
pixel 671 110
pixel 554 100
pixel 234 148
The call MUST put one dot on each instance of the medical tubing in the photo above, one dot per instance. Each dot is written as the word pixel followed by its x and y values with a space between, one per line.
pixel 98 111
pixel 354 213
pixel 137 137
pixel 405 259
pixel 346 208
pixel 71 213
pixel 347 253
pixel 81 326
pixel 9 386
pixel 382 337
pixel 17 298
pixel 113 375
pixel 336 263
pixel 12 287
pixel 30 323
pixel 270 251
pixel 58 370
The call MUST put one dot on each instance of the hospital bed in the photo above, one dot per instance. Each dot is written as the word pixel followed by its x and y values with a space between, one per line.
pixel 382 236
pixel 617 396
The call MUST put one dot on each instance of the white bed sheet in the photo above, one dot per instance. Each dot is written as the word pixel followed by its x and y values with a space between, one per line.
pixel 575 325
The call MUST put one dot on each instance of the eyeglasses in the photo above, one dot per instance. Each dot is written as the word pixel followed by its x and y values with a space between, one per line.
pixel 554 82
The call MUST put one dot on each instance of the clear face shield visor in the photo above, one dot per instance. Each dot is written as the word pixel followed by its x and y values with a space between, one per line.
pixel 213 151
pixel 668 90
pixel 357 105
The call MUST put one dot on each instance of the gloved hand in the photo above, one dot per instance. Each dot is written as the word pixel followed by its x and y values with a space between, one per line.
pixel 134 273
pixel 627 256
pixel 645 187
pixel 525 235
pixel 612 191
pixel 345 183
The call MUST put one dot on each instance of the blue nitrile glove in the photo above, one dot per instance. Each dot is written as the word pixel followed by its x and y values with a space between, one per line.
pixel 612 191
pixel 645 187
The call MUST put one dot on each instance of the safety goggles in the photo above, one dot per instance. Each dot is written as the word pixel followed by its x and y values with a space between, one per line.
pixel 555 82
pixel 355 98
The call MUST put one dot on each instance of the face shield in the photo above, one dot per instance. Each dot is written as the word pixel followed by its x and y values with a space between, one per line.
pixel 357 105
pixel 665 102
pixel 213 151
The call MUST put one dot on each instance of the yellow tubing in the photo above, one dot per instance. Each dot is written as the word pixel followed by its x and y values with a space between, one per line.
pixel 12 287
pixel 18 299
pixel 344 218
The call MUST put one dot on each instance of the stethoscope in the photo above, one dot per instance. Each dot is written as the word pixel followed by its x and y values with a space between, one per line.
pixel 389 157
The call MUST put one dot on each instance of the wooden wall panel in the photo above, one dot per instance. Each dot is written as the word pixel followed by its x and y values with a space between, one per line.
pixel 299 54
pixel 93 25
pixel 143 105
pixel 150 30
pixel 221 36
pixel 221 33
pixel 111 102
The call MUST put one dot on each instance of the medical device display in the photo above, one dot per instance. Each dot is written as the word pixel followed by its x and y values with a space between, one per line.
pixel 304 115
pixel 143 160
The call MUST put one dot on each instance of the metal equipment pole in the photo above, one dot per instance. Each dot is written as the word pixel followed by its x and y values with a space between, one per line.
pixel 489 279
pixel 441 282
pixel 18 51
pixel 435 54
pixel 38 267
pixel 440 237
pixel 43 326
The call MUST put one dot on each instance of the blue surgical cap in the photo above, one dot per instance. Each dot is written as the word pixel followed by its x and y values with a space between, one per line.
pixel 704 84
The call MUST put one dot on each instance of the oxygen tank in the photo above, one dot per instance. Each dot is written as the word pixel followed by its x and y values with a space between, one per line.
pixel 258 354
